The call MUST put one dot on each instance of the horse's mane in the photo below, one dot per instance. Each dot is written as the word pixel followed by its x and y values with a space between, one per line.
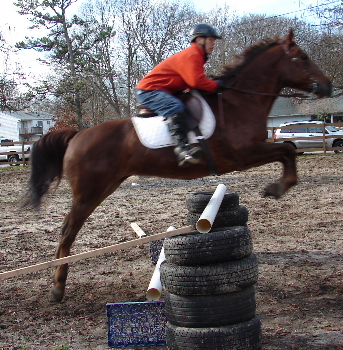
pixel 248 55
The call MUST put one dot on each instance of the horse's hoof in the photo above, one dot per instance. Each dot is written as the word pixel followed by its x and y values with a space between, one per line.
pixel 57 294
pixel 273 190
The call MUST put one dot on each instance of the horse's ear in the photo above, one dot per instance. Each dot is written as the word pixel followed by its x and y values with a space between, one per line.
pixel 288 42
pixel 290 35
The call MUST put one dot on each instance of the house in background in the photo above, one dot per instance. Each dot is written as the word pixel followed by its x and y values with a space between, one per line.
pixel 24 125
pixel 290 110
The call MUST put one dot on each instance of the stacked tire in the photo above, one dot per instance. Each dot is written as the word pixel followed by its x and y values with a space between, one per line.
pixel 209 281
pixel 230 213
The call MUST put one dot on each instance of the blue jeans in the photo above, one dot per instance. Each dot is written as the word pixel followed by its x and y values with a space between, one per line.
pixel 160 101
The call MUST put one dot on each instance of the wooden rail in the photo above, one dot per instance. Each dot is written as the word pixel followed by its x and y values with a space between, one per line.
pixel 95 252
pixel 23 153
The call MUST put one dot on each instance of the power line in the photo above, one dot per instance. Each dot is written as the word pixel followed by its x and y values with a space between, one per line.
pixel 305 9
pixel 288 13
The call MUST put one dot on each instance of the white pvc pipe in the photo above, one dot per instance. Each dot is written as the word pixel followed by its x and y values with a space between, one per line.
pixel 140 233
pixel 155 287
pixel 207 217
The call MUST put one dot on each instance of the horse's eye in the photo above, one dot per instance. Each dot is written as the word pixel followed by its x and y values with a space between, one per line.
pixel 304 57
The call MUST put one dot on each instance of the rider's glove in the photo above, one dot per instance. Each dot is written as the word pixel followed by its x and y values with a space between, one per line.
pixel 221 85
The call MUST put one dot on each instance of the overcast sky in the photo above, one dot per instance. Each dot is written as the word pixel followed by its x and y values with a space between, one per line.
pixel 268 7
pixel 18 24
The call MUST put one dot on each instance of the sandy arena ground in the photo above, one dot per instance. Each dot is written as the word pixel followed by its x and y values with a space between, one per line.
pixel 297 239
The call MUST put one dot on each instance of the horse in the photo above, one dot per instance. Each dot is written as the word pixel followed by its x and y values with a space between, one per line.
pixel 97 160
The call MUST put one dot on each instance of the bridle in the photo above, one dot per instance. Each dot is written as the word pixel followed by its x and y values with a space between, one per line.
pixel 314 85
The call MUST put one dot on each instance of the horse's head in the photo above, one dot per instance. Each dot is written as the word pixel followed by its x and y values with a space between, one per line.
pixel 280 61
pixel 301 72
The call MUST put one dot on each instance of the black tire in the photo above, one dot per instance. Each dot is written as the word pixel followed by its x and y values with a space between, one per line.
pixel 13 158
pixel 292 144
pixel 210 310
pixel 210 279
pixel 197 202
pixel 220 245
pixel 338 143
pixel 234 217
pixel 295 147
pixel 240 336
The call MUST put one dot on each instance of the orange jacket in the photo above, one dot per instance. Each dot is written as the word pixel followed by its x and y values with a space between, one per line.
pixel 182 71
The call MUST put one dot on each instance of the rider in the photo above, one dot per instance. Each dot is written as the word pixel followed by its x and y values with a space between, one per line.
pixel 182 71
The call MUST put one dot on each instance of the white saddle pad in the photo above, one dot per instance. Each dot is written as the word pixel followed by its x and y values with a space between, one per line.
pixel 153 132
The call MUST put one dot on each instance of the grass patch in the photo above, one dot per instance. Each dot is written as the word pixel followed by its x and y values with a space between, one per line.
pixel 15 168
pixel 312 155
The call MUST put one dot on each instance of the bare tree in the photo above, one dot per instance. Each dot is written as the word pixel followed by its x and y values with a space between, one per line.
pixel 66 40
pixel 13 96
pixel 149 34
pixel 101 68
pixel 329 13
pixel 327 51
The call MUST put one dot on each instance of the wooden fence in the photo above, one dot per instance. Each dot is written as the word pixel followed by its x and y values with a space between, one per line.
pixel 323 137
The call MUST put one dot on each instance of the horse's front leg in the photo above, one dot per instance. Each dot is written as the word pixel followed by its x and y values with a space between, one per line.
pixel 264 153
pixel 289 177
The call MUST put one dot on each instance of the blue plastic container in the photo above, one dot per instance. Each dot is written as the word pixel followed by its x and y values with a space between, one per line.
pixel 136 324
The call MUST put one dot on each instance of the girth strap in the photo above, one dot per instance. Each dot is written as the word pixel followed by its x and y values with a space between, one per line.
pixel 209 159
pixel 221 115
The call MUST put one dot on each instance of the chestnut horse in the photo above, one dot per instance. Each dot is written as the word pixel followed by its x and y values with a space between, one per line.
pixel 97 160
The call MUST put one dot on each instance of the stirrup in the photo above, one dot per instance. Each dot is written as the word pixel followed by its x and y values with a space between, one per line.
pixel 194 152
pixel 189 156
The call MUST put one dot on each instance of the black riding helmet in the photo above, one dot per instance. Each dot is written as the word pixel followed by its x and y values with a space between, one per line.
pixel 203 30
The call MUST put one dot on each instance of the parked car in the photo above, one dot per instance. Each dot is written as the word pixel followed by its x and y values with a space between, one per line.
pixel 310 129
pixel 13 151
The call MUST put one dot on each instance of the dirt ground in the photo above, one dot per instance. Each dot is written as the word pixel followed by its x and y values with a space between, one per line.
pixel 297 239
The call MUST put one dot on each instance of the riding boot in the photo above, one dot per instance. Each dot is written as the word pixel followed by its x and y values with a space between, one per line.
pixel 185 153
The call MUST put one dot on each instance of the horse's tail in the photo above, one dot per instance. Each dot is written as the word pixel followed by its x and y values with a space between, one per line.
pixel 46 164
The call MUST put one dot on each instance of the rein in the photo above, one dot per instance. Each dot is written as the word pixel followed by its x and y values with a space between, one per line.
pixel 299 95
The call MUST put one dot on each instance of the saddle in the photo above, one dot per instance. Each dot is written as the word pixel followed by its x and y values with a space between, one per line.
pixel 194 108
pixel 152 131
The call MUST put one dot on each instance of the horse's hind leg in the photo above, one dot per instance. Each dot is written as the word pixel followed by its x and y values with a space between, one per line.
pixel 71 226
pixel 84 204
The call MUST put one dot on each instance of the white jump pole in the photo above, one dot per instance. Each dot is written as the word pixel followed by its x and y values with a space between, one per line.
pixel 140 233
pixel 155 287
pixel 207 217
pixel 93 253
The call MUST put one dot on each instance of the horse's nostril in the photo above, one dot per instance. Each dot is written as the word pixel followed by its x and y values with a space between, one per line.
pixel 322 89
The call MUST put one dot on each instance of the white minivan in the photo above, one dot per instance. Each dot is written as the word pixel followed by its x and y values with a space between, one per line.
pixel 309 129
